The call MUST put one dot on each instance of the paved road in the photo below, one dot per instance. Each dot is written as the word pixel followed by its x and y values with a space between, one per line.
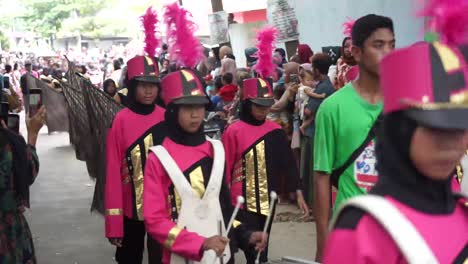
pixel 65 232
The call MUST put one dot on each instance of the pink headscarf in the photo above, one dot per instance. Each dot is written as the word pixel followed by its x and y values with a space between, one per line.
pixel 229 65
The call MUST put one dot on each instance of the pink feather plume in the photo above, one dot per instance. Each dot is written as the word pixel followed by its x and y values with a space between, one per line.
pixel 266 39
pixel 149 21
pixel 348 27
pixel 449 18
pixel 185 49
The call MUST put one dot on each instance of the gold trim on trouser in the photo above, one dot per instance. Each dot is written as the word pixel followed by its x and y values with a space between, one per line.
pixel 135 155
pixel 197 181
pixel 137 162
pixel 254 176
pixel 250 182
pixel 171 237
pixel 114 211
pixel 262 178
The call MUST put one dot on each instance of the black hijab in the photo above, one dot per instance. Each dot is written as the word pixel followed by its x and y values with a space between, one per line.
pixel 399 178
pixel 245 114
pixel 105 87
pixel 179 135
pixel 137 107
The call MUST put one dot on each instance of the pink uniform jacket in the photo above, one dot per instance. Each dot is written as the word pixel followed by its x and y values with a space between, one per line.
pixel 128 143
pixel 162 203
pixel 358 238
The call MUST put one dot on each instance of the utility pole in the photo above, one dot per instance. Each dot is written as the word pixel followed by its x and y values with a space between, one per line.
pixel 217 5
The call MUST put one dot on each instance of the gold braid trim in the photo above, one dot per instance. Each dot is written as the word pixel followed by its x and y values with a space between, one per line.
pixel 459 171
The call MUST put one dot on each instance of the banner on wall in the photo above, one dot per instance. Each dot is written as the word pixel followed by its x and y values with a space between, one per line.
pixel 219 28
pixel 282 16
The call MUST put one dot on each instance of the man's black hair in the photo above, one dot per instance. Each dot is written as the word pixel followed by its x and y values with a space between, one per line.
pixel 228 77
pixel 8 68
pixel 281 51
pixel 164 46
pixel 321 62
pixel 231 56
pixel 366 25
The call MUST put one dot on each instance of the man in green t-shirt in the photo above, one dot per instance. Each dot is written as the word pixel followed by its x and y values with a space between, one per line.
pixel 344 120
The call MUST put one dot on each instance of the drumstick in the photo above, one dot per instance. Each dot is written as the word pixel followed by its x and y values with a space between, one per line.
pixel 273 197
pixel 220 233
pixel 240 201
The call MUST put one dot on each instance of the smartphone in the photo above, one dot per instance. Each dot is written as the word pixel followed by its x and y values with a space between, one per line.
pixel 294 78
pixel 14 122
pixel 6 82
pixel 35 101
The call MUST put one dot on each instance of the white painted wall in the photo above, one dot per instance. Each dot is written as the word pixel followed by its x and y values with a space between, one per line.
pixel 320 21
pixel 243 37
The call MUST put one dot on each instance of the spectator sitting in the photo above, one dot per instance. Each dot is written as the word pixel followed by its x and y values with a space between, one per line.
pixel 229 90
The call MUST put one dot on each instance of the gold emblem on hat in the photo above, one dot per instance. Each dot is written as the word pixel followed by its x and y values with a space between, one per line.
pixel 187 75
pixel 149 60
pixel 449 58
pixel 195 92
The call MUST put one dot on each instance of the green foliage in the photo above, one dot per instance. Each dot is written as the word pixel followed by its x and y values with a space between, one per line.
pixel 46 17
pixel 4 42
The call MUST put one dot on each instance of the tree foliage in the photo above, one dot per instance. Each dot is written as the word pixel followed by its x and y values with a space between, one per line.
pixel 4 41
pixel 46 17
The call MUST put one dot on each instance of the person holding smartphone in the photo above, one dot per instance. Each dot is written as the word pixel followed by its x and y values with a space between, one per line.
pixel 20 165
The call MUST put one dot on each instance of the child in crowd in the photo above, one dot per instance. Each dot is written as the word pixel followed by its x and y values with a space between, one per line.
pixel 229 90
pixel 306 91
pixel 210 91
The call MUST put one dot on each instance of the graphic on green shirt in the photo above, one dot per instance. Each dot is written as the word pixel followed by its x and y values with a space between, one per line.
pixel 341 126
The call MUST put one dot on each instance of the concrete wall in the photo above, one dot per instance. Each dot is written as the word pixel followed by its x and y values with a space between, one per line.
pixel 66 43
pixel 320 21
pixel 243 36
